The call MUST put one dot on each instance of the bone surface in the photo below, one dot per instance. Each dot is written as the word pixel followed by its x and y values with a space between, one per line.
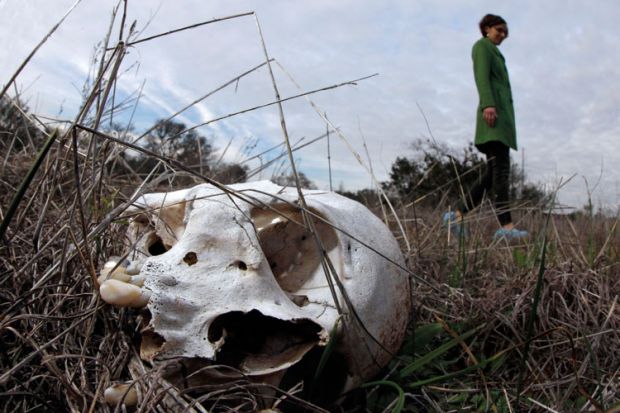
pixel 240 279
pixel 121 392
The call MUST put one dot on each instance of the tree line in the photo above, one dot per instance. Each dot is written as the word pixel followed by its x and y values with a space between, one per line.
pixel 434 174
pixel 430 175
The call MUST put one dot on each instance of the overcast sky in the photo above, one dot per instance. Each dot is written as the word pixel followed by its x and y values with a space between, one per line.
pixel 562 57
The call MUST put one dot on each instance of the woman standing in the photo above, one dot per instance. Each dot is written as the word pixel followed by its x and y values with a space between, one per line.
pixel 495 129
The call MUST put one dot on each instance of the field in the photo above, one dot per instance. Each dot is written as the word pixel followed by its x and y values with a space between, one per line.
pixel 496 326
pixel 529 326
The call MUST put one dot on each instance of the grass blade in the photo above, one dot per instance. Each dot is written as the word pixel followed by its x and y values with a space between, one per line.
pixel 401 394
pixel 430 356
pixel 533 310
pixel 438 379
pixel 21 191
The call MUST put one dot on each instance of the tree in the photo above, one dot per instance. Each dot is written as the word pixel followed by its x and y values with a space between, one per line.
pixel 230 173
pixel 172 140
pixel 15 128
pixel 433 172
pixel 368 197
pixel 530 195
pixel 289 180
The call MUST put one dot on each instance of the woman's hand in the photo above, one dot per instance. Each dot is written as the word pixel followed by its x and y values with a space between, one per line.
pixel 490 115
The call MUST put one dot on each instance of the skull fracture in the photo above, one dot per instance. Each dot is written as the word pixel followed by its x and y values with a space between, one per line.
pixel 241 278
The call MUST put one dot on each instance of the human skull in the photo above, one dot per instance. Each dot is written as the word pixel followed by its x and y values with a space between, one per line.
pixel 240 277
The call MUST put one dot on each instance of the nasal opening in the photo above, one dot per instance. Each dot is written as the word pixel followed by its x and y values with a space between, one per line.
pixel 258 344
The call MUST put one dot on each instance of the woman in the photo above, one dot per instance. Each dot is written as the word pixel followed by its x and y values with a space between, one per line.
pixel 495 129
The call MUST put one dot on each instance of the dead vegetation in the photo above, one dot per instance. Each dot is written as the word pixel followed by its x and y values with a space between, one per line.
pixel 502 327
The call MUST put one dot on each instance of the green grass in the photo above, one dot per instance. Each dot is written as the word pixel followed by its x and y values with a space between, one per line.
pixel 546 306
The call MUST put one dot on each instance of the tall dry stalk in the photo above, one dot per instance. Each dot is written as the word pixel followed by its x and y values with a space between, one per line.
pixel 62 346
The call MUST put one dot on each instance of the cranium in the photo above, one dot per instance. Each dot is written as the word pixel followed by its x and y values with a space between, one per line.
pixel 239 277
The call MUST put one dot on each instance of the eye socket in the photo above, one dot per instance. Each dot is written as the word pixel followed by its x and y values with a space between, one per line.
pixel 157 247
pixel 289 249
pixel 241 265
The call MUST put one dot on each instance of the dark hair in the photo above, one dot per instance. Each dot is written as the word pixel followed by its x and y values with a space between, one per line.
pixel 490 20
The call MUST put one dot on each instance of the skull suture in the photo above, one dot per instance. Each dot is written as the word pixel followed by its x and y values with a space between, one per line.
pixel 239 279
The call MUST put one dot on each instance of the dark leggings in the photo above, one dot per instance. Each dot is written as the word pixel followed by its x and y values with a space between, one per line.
pixel 495 180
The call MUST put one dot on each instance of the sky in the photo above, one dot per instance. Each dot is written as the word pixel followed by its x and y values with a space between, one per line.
pixel 562 57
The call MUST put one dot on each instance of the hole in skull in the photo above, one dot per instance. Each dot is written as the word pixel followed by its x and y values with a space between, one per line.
pixel 257 343
pixel 330 383
pixel 151 344
pixel 156 246
pixel 190 258
pixel 300 300
pixel 289 247
pixel 241 265
pixel 141 219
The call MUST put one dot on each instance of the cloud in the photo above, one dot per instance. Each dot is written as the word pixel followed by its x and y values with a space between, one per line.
pixel 560 56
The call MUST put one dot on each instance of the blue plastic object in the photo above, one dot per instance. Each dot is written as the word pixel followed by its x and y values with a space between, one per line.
pixel 455 225
pixel 509 234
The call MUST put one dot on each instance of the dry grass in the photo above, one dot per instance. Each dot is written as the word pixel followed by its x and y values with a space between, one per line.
pixel 573 359
pixel 62 346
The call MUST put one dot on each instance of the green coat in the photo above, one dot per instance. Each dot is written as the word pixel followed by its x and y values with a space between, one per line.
pixel 493 86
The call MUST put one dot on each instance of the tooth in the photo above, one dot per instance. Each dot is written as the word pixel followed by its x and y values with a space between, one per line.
pixel 113 395
pixel 134 267
pixel 120 273
pixel 123 294
pixel 111 263
pixel 137 280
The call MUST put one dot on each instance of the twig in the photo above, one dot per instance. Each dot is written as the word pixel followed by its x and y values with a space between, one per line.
pixel 357 157
pixel 200 99
pixel 278 101
pixel 193 26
